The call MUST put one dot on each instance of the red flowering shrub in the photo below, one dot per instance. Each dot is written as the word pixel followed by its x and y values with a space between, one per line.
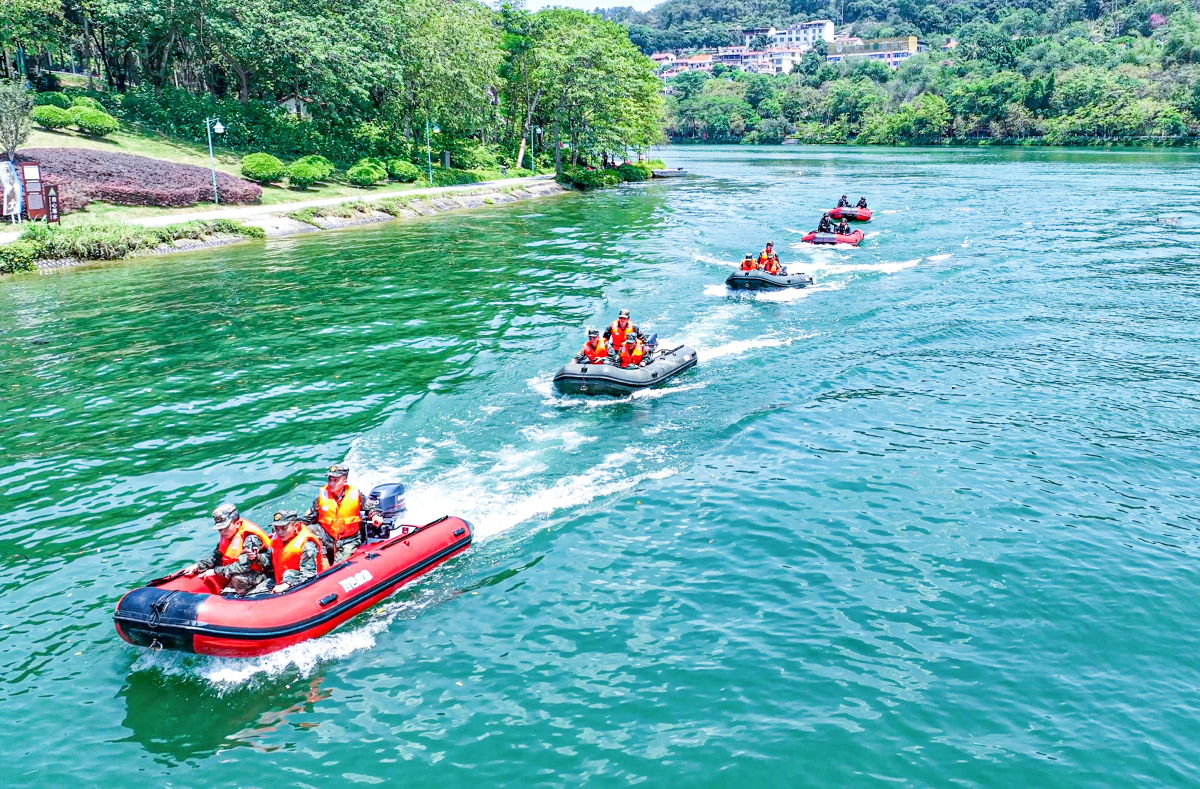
pixel 83 175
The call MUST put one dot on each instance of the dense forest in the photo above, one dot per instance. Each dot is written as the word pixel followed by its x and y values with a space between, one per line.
pixel 374 75
pixel 1049 71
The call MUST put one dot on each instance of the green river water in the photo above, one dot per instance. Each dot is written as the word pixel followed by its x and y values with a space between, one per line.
pixel 929 523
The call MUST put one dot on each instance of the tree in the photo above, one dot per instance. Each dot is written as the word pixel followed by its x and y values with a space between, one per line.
pixel 16 104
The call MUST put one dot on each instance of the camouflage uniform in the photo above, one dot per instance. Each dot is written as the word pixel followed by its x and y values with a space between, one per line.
pixel 308 561
pixel 241 576
pixel 340 550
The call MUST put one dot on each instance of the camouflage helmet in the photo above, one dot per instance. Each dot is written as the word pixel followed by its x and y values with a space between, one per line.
pixel 224 516
pixel 285 518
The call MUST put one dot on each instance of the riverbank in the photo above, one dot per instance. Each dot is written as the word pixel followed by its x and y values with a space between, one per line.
pixel 220 227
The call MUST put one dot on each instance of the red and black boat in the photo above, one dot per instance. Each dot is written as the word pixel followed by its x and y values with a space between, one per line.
pixel 851 213
pixel 183 613
pixel 833 238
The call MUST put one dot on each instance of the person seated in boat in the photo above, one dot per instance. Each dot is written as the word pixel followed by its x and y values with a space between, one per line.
pixel 595 350
pixel 862 202
pixel 748 263
pixel 341 510
pixel 633 353
pixel 844 202
pixel 826 224
pixel 772 266
pixel 297 555
pixel 843 228
pixel 242 559
pixel 621 328
pixel 766 255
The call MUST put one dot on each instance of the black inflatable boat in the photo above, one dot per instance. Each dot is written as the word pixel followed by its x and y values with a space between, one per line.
pixel 761 280
pixel 608 379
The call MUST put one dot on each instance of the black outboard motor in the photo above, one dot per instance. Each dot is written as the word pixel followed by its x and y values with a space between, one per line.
pixel 651 344
pixel 390 499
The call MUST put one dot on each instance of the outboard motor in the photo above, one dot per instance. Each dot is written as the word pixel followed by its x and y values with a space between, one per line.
pixel 651 344
pixel 390 499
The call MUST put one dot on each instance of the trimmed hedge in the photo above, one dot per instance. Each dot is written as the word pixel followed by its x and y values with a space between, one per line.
pixel 326 167
pixel 51 116
pixel 20 255
pixel 639 171
pixel 87 101
pixel 92 122
pixel 83 175
pixel 263 167
pixel 365 174
pixel 52 99
pixel 401 170
pixel 302 174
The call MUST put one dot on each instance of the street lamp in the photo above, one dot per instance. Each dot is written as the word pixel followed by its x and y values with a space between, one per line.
pixel 213 125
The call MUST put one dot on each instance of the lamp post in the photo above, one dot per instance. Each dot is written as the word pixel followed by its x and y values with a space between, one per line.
pixel 428 153
pixel 213 125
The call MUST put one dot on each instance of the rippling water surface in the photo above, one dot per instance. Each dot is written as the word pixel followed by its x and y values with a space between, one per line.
pixel 931 522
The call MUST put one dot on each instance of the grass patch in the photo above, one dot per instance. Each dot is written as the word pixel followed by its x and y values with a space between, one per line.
pixel 107 242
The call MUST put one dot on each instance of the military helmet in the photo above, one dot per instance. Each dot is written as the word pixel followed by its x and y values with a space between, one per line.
pixel 339 470
pixel 285 518
pixel 593 332
pixel 631 340
pixel 623 314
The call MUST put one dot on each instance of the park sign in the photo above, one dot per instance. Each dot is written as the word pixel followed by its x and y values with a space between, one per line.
pixel 51 203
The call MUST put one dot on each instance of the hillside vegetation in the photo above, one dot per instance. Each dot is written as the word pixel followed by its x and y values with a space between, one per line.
pixel 1063 72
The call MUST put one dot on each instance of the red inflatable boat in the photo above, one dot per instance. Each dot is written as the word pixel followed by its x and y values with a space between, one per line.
pixel 181 613
pixel 833 238
pixel 852 214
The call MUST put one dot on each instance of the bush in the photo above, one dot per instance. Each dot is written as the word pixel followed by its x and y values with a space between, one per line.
pixel 50 116
pixel 82 175
pixel 583 178
pixel 263 167
pixel 87 101
pixel 94 123
pixel 302 174
pixel 365 174
pixel 52 99
pixel 20 255
pixel 320 162
pixel 113 241
pixel 403 171
pixel 639 171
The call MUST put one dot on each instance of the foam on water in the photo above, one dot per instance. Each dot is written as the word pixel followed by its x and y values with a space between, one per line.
pixel 940 258
pixel 887 267
pixel 739 347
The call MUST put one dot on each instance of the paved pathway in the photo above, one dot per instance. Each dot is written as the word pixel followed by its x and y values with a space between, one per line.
pixel 244 212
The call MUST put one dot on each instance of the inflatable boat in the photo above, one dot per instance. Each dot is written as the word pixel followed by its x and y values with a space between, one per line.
pixel 761 280
pixel 833 238
pixel 677 173
pixel 608 379
pixel 851 213
pixel 183 613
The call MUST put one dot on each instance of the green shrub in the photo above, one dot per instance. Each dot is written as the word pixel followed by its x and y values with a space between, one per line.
pixel 365 174
pixel 94 123
pixel 320 162
pixel 53 99
pixel 583 178
pixel 51 116
pixel 263 167
pixel 302 174
pixel 20 255
pixel 87 101
pixel 635 172
pixel 403 171
pixel 655 164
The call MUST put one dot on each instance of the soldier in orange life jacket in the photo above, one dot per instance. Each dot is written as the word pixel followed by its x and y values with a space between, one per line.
pixel 748 263
pixel 341 510
pixel 633 353
pixel 297 555
pixel 241 560
pixel 772 266
pixel 595 350
pixel 621 328
pixel 766 255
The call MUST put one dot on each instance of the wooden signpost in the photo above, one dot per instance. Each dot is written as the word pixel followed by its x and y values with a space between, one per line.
pixel 51 204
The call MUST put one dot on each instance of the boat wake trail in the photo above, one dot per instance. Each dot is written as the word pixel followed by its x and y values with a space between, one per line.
pixel 887 267
pixel 740 347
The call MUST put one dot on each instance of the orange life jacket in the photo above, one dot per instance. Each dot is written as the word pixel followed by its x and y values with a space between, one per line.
pixel 628 358
pixel 340 519
pixel 763 257
pixel 772 266
pixel 596 353
pixel 747 265
pixel 286 556
pixel 231 550
pixel 618 335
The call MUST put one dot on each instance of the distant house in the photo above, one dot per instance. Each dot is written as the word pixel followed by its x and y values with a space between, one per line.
pixel 892 51
pixel 805 35
pixel 751 33
pixel 949 45
pixel 295 104
pixel 696 63
pixel 663 58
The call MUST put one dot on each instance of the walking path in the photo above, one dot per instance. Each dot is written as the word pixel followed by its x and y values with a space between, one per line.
pixel 244 212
